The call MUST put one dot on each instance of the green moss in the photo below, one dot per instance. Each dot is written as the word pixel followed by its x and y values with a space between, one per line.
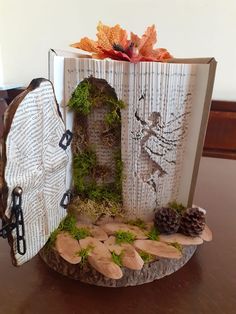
pixel 124 237
pixel 146 257
pixel 118 172
pixel 104 192
pixel 80 100
pixel 117 258
pixel 113 117
pixel 82 233
pixel 86 186
pixel 68 224
pixel 138 223
pixel 91 93
pixel 52 239
pixel 83 165
pixel 88 94
pixel 153 234
pixel 177 246
pixel 180 208
pixel 84 253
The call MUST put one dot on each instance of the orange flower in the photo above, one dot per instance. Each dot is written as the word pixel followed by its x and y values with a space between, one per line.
pixel 113 43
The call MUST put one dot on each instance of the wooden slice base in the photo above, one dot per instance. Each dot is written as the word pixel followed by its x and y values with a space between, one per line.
pixel 150 271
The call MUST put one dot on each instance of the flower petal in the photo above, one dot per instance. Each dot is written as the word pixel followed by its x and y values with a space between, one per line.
pixel 135 39
pixel 148 40
pixel 160 54
pixel 87 45
pixel 107 36
pixel 116 55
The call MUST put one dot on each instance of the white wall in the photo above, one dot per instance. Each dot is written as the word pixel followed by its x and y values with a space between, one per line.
pixel 187 28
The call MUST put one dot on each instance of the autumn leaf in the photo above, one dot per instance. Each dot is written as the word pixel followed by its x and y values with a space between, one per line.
pixel 113 43
pixel 148 40
pixel 108 36
pixel 160 54
pixel 87 45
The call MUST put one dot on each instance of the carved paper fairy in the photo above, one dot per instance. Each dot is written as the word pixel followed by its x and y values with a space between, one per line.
pixel 159 141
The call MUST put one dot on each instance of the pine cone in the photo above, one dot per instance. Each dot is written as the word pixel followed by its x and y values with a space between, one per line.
pixel 167 220
pixel 192 222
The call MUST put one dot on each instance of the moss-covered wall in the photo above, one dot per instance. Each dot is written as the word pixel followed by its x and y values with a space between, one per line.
pixel 98 185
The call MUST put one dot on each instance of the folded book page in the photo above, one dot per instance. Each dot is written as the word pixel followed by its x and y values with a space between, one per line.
pixel 160 125
pixel 36 163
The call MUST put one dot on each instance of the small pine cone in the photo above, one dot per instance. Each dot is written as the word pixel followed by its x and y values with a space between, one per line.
pixel 192 222
pixel 167 220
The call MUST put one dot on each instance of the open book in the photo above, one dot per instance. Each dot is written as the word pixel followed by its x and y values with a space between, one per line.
pixel 163 124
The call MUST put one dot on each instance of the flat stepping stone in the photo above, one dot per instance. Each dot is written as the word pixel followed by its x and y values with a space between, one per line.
pixel 157 248
pixel 100 258
pixel 96 232
pixel 110 243
pixel 112 228
pixel 206 234
pixel 129 256
pixel 180 238
pixel 68 248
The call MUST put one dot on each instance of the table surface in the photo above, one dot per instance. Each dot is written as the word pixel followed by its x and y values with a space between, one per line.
pixel 206 284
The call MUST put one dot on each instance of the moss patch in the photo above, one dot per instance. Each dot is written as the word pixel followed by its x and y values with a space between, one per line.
pixel 146 257
pixel 94 209
pixel 117 258
pixel 180 208
pixel 83 165
pixel 153 234
pixel 118 172
pixel 80 99
pixel 138 223
pixel 91 178
pixel 177 246
pixel 89 93
pixel 124 237
pixel 52 239
pixel 84 253
pixel 68 224
pixel 113 117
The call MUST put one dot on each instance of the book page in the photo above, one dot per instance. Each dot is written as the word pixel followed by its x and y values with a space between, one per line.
pixel 160 125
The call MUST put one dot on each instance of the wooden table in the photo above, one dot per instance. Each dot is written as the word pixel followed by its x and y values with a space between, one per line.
pixel 207 284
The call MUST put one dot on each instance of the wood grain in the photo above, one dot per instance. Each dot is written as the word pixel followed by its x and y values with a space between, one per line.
pixel 205 285
pixel 150 271
pixel 220 138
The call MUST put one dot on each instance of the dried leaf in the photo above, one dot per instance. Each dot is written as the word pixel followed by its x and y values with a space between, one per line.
pixel 148 40
pixel 103 36
pixel 160 54
pixel 107 36
pixel 137 49
pixel 87 45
